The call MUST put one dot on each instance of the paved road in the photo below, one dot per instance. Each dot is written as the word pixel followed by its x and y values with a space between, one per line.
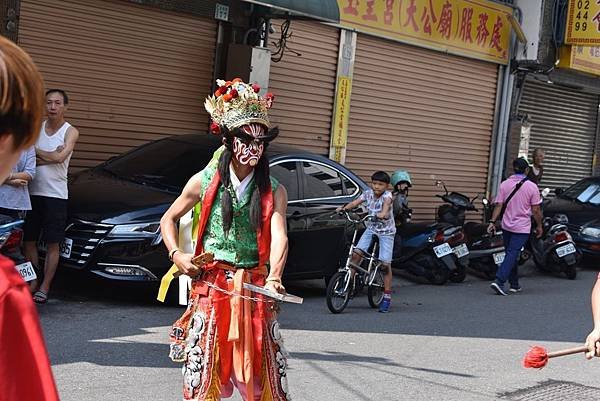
pixel 456 342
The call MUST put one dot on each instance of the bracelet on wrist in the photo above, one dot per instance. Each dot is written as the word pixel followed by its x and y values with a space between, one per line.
pixel 275 279
pixel 172 253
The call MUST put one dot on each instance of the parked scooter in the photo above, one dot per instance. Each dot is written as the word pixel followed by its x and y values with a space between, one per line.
pixel 486 251
pixel 11 238
pixel 555 250
pixel 436 251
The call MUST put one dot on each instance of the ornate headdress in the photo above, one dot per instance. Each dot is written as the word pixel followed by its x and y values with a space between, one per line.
pixel 236 103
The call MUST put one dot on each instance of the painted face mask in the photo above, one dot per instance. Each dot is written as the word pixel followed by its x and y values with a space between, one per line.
pixel 246 148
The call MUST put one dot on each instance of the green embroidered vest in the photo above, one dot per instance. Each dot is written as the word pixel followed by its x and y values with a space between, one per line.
pixel 240 247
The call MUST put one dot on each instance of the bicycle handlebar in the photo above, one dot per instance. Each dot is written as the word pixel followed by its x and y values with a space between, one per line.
pixel 360 220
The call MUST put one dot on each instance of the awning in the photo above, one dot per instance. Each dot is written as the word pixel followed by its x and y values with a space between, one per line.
pixel 324 10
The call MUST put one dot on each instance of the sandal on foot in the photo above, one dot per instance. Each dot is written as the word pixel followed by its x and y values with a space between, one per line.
pixel 40 297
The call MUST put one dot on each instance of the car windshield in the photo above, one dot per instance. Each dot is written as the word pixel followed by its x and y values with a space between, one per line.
pixel 585 191
pixel 166 164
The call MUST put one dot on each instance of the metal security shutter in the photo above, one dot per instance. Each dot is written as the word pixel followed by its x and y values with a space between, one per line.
pixel 133 73
pixel 426 112
pixel 563 124
pixel 304 85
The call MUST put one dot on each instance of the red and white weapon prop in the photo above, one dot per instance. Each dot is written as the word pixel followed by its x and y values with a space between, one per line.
pixel 537 357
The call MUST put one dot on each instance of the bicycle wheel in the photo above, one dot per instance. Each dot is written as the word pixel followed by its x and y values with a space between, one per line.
pixel 375 291
pixel 338 294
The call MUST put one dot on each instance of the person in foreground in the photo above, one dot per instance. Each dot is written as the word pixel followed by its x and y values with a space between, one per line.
pixel 25 372
pixel 229 337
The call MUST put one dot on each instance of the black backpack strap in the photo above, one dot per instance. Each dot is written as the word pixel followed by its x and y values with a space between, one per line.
pixel 517 187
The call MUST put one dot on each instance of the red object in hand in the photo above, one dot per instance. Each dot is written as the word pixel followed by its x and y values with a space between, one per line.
pixel 536 357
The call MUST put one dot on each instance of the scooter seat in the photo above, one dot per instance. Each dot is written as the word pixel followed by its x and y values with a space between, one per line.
pixel 410 229
pixel 475 230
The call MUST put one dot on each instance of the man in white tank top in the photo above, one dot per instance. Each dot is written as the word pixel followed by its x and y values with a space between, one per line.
pixel 49 193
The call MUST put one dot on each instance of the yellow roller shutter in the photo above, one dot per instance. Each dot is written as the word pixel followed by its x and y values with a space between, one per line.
pixel 133 73
pixel 304 83
pixel 426 112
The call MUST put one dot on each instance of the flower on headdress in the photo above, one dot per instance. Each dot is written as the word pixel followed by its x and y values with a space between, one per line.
pixel 220 91
pixel 233 93
pixel 237 80
pixel 215 128
pixel 228 83
pixel 227 97
pixel 269 98
pixel 256 88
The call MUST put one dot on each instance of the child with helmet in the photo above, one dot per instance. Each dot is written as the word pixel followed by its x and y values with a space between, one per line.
pixel 401 183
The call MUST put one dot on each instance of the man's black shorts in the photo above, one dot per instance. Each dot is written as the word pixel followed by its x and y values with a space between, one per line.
pixel 48 218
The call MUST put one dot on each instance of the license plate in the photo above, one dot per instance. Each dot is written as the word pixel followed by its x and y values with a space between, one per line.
pixel 26 271
pixel 499 258
pixel 565 250
pixel 442 250
pixel 64 248
pixel 461 250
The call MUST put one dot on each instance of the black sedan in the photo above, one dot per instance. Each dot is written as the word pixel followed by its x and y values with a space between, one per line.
pixel 115 208
pixel 579 207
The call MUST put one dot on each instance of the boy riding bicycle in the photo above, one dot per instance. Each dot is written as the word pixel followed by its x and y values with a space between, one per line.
pixel 379 204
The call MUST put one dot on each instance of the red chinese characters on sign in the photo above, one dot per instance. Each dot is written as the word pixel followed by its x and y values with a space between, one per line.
pixel 596 18
pixel 388 14
pixel 496 37
pixel 370 13
pixel 410 11
pixel 466 22
pixel 482 31
pixel 352 7
pixel 445 25
pixel 428 16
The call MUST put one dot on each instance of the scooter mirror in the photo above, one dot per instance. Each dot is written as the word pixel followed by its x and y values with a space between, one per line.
pixel 485 201
pixel 545 192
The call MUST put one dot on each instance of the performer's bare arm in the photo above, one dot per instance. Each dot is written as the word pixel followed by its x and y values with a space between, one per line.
pixel 593 339
pixel 279 241
pixel 168 224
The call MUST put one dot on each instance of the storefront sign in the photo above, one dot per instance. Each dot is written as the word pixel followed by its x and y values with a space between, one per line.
pixel 340 119
pixel 582 58
pixel 472 28
pixel 583 22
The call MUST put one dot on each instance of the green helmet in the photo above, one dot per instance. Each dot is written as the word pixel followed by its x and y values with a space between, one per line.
pixel 399 176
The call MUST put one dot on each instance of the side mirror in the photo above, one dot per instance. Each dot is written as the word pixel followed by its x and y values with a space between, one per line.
pixel 545 192
pixel 559 191
pixel 485 201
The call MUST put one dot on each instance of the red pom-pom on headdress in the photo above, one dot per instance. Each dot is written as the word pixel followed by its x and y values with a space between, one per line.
pixel 215 128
